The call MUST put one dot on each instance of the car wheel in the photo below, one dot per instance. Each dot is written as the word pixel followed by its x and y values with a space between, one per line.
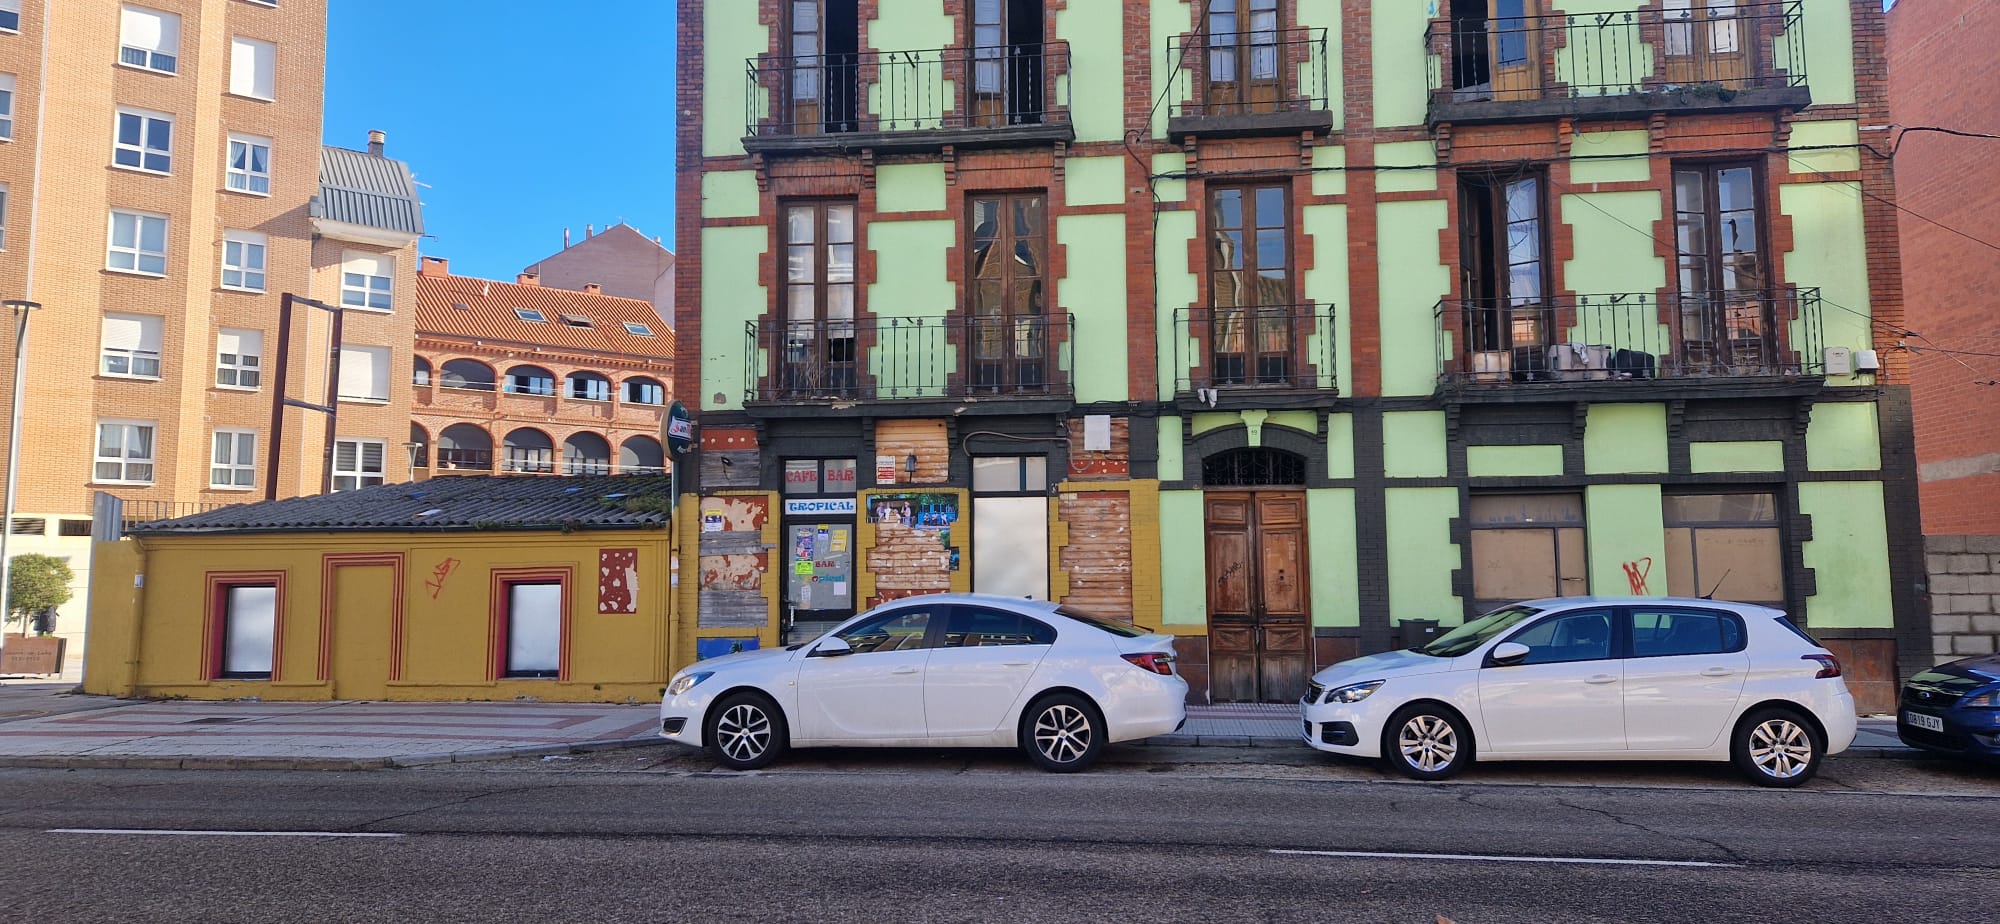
pixel 1427 743
pixel 1062 733
pixel 1776 747
pixel 746 731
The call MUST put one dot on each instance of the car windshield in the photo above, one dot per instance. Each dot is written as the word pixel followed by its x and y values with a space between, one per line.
pixel 1477 632
pixel 1113 626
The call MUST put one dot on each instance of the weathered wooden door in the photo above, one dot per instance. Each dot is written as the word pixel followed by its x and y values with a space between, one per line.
pixel 1259 617
pixel 1514 37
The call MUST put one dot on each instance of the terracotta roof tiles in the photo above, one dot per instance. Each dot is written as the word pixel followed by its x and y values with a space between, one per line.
pixel 464 306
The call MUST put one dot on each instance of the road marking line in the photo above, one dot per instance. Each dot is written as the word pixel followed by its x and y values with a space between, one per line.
pixel 1488 858
pixel 179 833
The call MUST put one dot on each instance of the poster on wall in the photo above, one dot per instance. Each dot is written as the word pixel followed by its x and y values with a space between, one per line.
pixel 617 581
pixel 916 511
pixel 705 648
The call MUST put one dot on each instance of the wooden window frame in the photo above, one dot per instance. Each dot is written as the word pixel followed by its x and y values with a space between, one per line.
pixel 1297 328
pixel 499 604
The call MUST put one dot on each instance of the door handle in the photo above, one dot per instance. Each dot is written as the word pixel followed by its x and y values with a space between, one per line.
pixel 1718 672
pixel 904 670
pixel 1015 663
pixel 1601 679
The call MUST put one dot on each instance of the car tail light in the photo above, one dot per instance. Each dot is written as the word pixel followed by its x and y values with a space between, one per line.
pixel 1155 661
pixel 1829 666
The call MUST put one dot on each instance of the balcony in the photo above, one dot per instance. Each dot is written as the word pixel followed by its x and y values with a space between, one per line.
pixel 1250 83
pixel 463 462
pixel 887 359
pixel 1629 63
pixel 1640 342
pixel 1254 356
pixel 909 100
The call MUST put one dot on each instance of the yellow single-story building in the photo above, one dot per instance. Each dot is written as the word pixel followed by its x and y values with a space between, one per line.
pixel 471 588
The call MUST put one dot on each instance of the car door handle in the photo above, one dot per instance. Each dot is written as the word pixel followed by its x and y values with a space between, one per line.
pixel 1718 672
pixel 1601 678
pixel 904 670
pixel 1015 663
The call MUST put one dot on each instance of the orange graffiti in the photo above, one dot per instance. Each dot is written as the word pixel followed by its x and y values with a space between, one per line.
pixel 443 570
pixel 1636 573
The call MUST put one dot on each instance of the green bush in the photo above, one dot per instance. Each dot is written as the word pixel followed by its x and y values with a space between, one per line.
pixel 38 582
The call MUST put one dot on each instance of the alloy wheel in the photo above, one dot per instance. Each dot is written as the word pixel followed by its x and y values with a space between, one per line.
pixel 1427 743
pixel 1062 733
pixel 743 732
pixel 1780 748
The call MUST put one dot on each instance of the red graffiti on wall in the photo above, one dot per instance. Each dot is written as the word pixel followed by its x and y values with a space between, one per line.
pixel 1636 573
pixel 443 570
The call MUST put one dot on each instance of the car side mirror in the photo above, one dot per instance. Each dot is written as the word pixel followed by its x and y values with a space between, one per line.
pixel 1507 653
pixel 832 646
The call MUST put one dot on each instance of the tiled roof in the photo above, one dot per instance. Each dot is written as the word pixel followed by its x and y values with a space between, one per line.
pixel 449 503
pixel 463 306
pixel 366 189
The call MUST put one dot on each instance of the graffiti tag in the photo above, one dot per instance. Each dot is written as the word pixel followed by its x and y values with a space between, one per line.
pixel 1636 573
pixel 443 570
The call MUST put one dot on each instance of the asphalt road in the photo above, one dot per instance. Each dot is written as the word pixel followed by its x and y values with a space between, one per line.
pixel 1231 835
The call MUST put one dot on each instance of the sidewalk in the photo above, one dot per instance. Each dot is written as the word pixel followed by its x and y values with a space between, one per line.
pixel 45 725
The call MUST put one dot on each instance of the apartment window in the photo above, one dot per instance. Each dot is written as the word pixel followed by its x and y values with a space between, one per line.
pixel 6 107
pixel 243 255
pixel 1244 74
pixel 1725 312
pixel 1508 320
pixel 589 386
pixel 131 346
pixel 534 629
pixel 531 315
pixel 124 452
pixel 248 614
pixel 233 465
pixel 637 329
pixel 364 373
pixel 144 141
pixel 249 164
pixel 358 463
pixel 644 391
pixel 253 68
pixel 1526 547
pixel 138 243
pixel 1250 285
pixel 1009 283
pixel 531 380
pixel 239 359
pixel 365 280
pixel 10 15
pixel 819 299
pixel 149 39
pixel 1725 546
pixel 823 41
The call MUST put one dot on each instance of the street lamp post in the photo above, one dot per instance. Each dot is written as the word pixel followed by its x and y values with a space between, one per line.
pixel 21 308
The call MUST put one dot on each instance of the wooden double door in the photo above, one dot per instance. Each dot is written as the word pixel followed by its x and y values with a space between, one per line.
pixel 1259 611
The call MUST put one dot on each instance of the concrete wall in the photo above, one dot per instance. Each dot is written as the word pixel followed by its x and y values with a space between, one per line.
pixel 1965 595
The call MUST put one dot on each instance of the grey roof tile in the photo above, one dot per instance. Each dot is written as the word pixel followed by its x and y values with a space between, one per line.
pixel 521 502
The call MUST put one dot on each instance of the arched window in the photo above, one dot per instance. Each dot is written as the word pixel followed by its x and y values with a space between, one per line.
pixel 531 380
pixel 469 374
pixel 641 455
pixel 420 446
pixel 589 386
pixel 530 451
pixel 421 374
pixel 642 390
pixel 1253 468
pixel 586 454
pixel 464 447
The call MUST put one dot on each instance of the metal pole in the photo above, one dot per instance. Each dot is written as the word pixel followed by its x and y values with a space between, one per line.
pixel 21 310
pixel 276 451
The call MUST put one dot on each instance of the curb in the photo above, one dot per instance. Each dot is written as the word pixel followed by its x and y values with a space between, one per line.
pixel 169 762
pixel 526 750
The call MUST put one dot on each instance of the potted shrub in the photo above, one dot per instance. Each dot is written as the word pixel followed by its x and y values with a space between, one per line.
pixel 37 585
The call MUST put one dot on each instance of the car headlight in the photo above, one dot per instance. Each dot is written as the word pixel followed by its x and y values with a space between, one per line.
pixel 1353 692
pixel 686 682
pixel 1987 700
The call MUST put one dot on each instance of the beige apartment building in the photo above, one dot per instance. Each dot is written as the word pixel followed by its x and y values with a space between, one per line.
pixel 163 187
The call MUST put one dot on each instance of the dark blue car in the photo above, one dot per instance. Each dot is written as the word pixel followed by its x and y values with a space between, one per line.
pixel 1954 708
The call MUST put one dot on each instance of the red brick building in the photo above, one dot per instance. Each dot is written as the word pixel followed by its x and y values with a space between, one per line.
pixel 519 378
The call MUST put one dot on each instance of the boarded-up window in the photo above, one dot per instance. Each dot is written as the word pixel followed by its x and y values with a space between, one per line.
pixel 1725 545
pixel 1525 547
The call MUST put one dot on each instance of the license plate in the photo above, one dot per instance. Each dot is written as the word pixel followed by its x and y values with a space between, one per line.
pixel 1919 720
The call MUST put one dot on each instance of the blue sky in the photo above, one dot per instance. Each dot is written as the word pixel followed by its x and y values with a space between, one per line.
pixel 521 118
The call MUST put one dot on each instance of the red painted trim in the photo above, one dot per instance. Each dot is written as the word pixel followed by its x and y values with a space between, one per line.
pixel 496 608
pixel 328 565
pixel 214 630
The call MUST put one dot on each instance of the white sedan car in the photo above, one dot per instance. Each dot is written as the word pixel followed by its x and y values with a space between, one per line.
pixel 1583 678
pixel 947 670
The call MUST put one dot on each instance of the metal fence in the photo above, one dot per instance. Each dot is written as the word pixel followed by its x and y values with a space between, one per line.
pixel 889 91
pixel 1631 336
pixel 1281 346
pixel 887 358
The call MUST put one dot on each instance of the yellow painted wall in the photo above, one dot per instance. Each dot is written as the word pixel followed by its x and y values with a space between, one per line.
pixel 446 617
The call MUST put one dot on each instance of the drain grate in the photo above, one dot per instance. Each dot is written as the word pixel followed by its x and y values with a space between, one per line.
pixel 216 720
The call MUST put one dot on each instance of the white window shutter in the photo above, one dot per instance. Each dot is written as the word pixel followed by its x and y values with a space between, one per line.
pixel 240 342
pixel 253 67
pixel 148 29
pixel 368 264
pixel 132 332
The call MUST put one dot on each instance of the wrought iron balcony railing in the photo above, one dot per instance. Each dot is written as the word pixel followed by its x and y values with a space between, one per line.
pixel 890 92
pixel 889 358
pixel 1254 346
pixel 1631 338
pixel 1235 82
pixel 1690 55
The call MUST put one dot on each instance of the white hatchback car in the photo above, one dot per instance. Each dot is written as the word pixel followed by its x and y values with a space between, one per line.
pixel 947 670
pixel 1583 678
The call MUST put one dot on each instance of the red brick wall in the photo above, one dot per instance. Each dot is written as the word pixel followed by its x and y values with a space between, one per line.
pixel 1956 182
